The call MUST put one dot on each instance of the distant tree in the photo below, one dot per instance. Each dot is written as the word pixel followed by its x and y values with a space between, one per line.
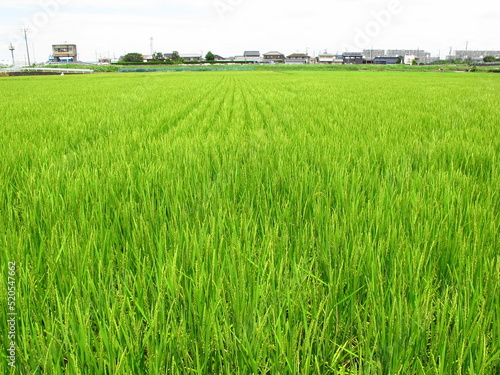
pixel 489 59
pixel 133 57
pixel 176 57
pixel 210 56
pixel 158 56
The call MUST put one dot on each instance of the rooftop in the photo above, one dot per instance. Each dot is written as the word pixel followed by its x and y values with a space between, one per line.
pixel 298 55
pixel 190 55
pixel 273 53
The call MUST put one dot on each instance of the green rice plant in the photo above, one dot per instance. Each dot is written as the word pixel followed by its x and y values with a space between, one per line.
pixel 291 222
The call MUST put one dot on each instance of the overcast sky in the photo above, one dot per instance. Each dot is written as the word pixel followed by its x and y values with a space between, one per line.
pixel 229 27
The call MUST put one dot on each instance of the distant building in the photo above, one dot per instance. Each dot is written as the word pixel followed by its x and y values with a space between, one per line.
pixel 185 56
pixel 370 54
pixel 479 55
pixel 274 56
pixel 219 58
pixel 248 56
pixel 409 59
pixel 252 56
pixel 191 56
pixel 64 52
pixel 421 55
pixel 386 60
pixel 298 58
pixel 352 58
pixel 325 58
pixel 329 58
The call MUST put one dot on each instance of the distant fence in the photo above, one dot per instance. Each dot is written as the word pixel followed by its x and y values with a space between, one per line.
pixel 187 69
pixel 58 70
pixel 23 73
pixel 496 63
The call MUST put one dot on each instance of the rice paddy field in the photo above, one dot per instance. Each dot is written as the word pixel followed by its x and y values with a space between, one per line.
pixel 251 223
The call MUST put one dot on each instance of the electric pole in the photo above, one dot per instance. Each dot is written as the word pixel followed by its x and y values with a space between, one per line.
pixel 25 30
pixel 11 47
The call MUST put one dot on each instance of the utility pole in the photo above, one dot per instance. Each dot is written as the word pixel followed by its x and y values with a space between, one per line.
pixel 25 30
pixel 11 47
pixel 466 48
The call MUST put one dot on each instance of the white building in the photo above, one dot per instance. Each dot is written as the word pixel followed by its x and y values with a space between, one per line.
pixel 409 59
pixel 298 58
pixel 328 58
pixel 191 56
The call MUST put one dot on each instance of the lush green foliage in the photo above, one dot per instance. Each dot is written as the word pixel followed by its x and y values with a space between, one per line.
pixel 490 59
pixel 176 57
pixel 210 56
pixel 132 57
pixel 158 56
pixel 253 222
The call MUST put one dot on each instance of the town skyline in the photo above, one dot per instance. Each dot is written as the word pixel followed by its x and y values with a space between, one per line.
pixel 229 27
